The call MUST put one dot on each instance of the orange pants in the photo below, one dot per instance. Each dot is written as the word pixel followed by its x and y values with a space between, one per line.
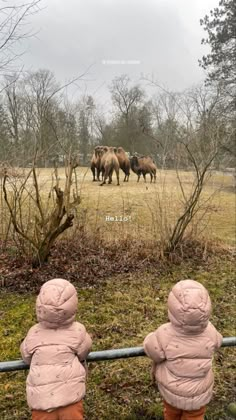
pixel 172 413
pixel 70 412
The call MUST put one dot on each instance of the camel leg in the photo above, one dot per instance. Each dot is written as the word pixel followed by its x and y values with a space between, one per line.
pixel 117 177
pixel 138 177
pixel 103 182
pixel 110 176
pixel 105 176
pixel 93 171
pixel 151 176
pixel 98 174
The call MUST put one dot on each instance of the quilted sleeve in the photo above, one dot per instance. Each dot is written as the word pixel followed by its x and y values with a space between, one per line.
pixel 215 336
pixel 84 345
pixel 219 339
pixel 153 348
pixel 25 353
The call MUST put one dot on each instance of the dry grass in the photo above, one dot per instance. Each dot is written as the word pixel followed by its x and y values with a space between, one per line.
pixel 119 310
pixel 150 208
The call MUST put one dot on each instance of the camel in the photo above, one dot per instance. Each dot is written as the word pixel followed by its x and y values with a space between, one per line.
pixel 123 162
pixel 109 163
pixel 142 166
pixel 96 162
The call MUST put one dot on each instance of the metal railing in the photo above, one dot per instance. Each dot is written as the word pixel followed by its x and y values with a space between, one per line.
pixel 97 356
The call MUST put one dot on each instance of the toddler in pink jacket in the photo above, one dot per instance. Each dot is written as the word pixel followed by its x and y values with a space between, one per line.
pixel 55 348
pixel 182 352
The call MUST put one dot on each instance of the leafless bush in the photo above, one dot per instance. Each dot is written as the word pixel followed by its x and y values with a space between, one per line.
pixel 197 131
pixel 37 222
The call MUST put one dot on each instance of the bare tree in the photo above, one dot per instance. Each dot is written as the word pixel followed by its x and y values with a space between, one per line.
pixel 200 131
pixel 125 96
pixel 86 125
pixel 191 200
pixel 37 222
pixel 38 117
pixel 13 108
pixel 166 127
pixel 126 100
pixel 13 17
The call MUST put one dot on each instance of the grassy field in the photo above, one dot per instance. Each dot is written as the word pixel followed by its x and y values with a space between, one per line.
pixel 148 206
pixel 119 313
pixel 120 310
pixel 147 211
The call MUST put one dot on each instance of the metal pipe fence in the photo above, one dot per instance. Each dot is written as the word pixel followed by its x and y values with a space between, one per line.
pixel 99 356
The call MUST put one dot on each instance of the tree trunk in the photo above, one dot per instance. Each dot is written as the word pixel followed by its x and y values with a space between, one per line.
pixel 44 250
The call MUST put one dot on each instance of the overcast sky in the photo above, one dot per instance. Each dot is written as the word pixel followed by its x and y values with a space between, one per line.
pixel 158 37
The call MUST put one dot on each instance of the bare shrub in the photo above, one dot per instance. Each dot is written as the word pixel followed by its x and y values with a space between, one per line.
pixel 37 222
pixel 197 134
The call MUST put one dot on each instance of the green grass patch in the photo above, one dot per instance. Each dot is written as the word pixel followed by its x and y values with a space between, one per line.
pixel 120 312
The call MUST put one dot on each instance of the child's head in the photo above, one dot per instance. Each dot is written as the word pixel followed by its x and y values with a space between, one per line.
pixel 189 306
pixel 56 304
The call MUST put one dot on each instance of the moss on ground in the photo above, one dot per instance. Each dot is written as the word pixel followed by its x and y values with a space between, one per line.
pixel 119 312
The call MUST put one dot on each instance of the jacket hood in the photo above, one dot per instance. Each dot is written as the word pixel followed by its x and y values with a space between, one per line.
pixel 56 304
pixel 189 306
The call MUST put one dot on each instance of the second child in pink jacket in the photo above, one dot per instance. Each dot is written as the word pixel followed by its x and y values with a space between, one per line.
pixel 55 348
pixel 182 352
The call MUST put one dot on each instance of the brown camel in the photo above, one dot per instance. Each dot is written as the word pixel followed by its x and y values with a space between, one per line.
pixel 142 166
pixel 123 162
pixel 96 162
pixel 109 163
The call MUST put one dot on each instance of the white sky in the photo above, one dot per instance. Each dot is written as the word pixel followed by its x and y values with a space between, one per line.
pixel 164 36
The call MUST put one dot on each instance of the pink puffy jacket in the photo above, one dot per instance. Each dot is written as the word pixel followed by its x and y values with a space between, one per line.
pixel 54 348
pixel 182 349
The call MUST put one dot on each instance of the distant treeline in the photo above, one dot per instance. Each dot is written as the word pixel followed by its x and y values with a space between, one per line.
pixel 36 116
